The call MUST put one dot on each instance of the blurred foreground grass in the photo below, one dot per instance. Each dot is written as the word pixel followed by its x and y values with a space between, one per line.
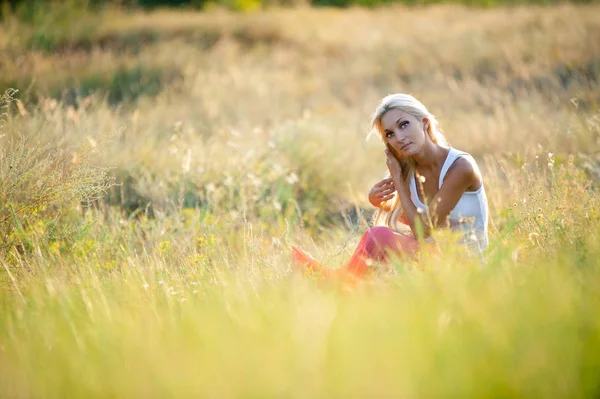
pixel 144 238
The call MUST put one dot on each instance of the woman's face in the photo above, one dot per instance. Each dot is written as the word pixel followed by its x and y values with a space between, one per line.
pixel 403 132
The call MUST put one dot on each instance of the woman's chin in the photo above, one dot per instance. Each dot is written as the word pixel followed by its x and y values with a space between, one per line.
pixel 407 151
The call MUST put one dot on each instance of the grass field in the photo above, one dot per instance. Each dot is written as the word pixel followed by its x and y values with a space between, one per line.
pixel 155 169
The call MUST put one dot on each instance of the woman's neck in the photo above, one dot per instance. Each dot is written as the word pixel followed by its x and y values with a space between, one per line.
pixel 432 157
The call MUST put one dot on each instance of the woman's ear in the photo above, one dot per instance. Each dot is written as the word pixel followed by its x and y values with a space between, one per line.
pixel 425 123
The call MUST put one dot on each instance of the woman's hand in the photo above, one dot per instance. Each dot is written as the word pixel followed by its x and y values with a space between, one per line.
pixel 393 165
pixel 382 191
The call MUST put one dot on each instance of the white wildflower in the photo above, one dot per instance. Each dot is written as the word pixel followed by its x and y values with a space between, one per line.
pixel 292 178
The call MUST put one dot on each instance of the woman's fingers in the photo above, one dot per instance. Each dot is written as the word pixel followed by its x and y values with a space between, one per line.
pixel 386 191
pixel 385 188
pixel 382 191
pixel 384 182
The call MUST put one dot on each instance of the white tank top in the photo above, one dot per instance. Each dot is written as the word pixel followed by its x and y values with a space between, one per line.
pixel 472 207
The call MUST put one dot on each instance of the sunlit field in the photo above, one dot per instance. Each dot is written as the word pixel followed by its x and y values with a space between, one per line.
pixel 155 169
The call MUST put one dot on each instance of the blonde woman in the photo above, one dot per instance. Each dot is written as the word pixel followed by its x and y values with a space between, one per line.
pixel 430 185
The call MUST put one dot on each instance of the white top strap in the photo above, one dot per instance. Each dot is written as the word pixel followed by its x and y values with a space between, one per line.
pixel 453 155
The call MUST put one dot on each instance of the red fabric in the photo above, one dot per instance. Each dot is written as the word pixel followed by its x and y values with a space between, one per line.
pixel 375 245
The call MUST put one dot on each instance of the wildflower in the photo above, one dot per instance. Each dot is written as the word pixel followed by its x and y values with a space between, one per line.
pixel 254 179
pixel 277 168
pixel 165 245
pixel 292 178
pixel 187 161
pixel 92 142
pixel 550 160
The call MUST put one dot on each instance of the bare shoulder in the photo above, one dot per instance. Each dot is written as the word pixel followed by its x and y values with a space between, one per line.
pixel 465 171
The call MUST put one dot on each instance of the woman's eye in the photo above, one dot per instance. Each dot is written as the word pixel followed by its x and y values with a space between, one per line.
pixel 389 134
pixel 404 124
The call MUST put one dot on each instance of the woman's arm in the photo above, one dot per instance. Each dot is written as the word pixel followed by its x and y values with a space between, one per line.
pixel 413 217
pixel 461 176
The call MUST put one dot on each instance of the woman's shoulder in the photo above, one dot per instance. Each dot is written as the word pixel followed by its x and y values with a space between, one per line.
pixel 465 168
pixel 463 159
pixel 458 153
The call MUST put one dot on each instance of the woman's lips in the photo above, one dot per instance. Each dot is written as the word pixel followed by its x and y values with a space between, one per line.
pixel 405 146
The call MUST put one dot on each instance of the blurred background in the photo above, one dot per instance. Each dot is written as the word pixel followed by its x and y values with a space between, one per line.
pixel 159 158
pixel 289 89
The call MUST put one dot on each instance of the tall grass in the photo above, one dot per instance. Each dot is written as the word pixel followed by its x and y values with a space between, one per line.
pixel 177 281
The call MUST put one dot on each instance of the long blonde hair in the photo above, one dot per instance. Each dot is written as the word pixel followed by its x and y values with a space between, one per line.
pixel 389 211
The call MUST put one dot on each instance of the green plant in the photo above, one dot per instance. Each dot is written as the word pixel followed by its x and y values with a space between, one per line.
pixel 39 181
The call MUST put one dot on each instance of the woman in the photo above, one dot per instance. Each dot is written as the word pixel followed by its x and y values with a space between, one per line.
pixel 430 185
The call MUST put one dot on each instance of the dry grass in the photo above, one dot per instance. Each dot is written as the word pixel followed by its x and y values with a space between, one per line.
pixel 178 283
